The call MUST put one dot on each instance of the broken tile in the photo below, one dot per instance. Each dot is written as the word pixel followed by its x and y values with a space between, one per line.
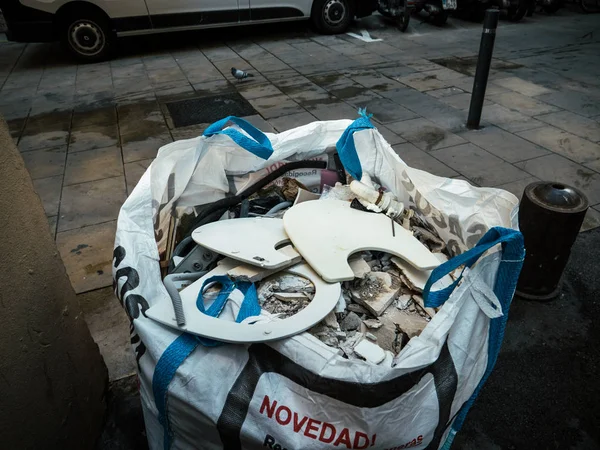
pixel 87 255
pixel 49 191
pixel 91 203
pixel 46 162
pixel 91 165
pixel 373 293
pixel 563 143
pixel 359 266
pixel 373 353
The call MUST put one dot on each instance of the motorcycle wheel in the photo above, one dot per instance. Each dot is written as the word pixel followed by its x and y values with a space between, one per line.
pixel 402 20
pixel 440 19
pixel 552 7
pixel 516 13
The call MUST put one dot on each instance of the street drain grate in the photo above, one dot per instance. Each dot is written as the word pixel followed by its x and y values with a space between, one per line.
pixel 208 109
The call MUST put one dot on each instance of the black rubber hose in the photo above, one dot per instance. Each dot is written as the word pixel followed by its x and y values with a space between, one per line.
pixel 227 202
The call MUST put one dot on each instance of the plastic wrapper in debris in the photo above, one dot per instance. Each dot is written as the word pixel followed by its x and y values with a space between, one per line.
pixel 300 392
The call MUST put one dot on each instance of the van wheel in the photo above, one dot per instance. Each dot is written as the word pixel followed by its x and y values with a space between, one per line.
pixel 331 16
pixel 88 37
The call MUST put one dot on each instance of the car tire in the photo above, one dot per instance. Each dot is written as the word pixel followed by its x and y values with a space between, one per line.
pixel 331 16
pixel 440 18
pixel 87 36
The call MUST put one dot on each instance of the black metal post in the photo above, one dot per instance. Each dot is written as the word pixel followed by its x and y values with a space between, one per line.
pixel 486 48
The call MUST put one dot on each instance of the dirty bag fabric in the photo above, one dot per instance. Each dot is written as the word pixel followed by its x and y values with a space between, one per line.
pixel 298 393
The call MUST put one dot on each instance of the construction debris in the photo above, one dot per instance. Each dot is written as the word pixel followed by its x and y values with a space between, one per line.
pixel 370 351
pixel 375 292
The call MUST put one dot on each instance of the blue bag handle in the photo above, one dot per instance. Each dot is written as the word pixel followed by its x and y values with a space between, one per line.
pixel 346 148
pixel 185 344
pixel 259 145
pixel 512 248
pixel 513 254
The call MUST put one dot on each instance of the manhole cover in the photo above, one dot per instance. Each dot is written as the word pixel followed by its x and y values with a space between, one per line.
pixel 208 109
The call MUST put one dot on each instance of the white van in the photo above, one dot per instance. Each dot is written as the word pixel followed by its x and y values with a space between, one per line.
pixel 89 28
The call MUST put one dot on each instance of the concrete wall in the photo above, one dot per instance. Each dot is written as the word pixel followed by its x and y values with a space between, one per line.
pixel 52 377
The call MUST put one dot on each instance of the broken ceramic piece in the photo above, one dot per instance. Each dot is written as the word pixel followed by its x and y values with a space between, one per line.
pixel 226 330
pixel 327 232
pixel 375 292
pixel 416 279
pixel 359 266
pixel 251 240
pixel 305 196
pixel 373 353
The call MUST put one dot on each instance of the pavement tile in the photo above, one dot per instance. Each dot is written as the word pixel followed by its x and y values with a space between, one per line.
pixel 307 93
pixel 461 101
pixel 218 53
pixel 136 147
pixel 285 123
pixel 57 100
pixel 508 120
pixel 424 81
pixel 445 92
pixel 109 326
pixel 93 136
pixel 45 163
pixel 522 86
pixel 275 106
pixel 157 76
pixel 560 169
pixel 214 87
pixel 503 144
pixel 52 221
pixel 101 116
pixel 591 220
pixel 386 111
pixel 425 135
pixel 268 64
pixel 522 103
pixel 422 65
pixel 594 165
pixel 87 255
pixel 517 187
pixel 91 203
pixel 93 165
pixel 257 90
pixel 333 111
pixel 563 143
pixel 466 84
pixel 397 71
pixel 49 191
pixel 574 101
pixel 573 123
pixel 134 171
pixel 376 82
pixel 478 165
pixel 190 132
pixel 260 123
pixel 390 137
pixel 421 160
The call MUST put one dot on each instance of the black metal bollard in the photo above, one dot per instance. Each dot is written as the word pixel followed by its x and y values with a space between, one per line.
pixel 486 48
pixel 550 216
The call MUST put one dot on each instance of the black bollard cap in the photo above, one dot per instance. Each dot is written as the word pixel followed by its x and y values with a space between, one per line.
pixel 556 196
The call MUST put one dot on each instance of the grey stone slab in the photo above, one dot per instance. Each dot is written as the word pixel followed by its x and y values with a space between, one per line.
pixel 93 136
pixel 386 111
pixel 521 86
pixel 214 87
pixel 419 159
pixel 479 165
pixel 275 106
pixel 424 81
pixel 594 165
pixel 333 111
pixel 461 101
pixel 285 123
pixel 508 120
pixel 391 137
pixel 87 255
pixel 100 116
pixel 425 135
pixel 591 220
pixel 268 64
pixel 260 123
pixel 577 102
pixel 517 187
pixel 422 65
pixel 258 90
pixel 307 94
pixel 218 53
pixel 91 165
pixel 503 144
pixel 190 132
pixel 134 171
pixel 109 326
pixel 522 103
pixel 32 140
pixel 445 92
pixel 560 169
pixel 397 71
pixel 563 143
pixel 49 191
pixel 466 84
pixel 52 221
pixel 91 203
pixel 573 123
pixel 45 163
pixel 136 147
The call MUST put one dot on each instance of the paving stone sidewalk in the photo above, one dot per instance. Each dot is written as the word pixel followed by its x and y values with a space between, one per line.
pixel 87 133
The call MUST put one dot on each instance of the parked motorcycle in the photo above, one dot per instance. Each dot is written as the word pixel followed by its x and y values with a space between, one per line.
pixel 438 10
pixel 549 6
pixel 399 10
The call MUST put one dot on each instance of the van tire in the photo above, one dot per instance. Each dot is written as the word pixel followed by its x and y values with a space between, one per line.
pixel 87 35
pixel 331 16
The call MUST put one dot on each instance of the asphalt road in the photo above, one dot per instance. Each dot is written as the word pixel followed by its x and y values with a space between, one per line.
pixel 544 392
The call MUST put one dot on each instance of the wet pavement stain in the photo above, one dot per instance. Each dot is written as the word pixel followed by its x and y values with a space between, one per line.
pixel 97 269
pixel 77 250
